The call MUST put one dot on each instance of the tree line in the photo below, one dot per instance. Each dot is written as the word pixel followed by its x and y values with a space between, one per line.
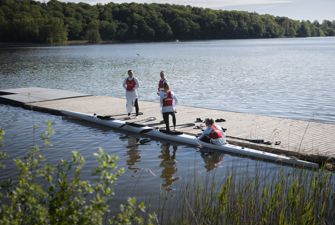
pixel 57 22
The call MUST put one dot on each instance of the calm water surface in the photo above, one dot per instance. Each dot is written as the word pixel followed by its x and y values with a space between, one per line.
pixel 151 169
pixel 280 77
pixel 292 78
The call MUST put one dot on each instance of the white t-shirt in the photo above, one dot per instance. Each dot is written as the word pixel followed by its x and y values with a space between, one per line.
pixel 172 108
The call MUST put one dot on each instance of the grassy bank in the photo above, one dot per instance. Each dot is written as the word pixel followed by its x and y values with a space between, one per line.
pixel 267 197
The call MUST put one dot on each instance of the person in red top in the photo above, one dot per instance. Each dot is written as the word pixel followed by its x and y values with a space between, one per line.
pixel 131 84
pixel 168 101
pixel 161 83
pixel 213 133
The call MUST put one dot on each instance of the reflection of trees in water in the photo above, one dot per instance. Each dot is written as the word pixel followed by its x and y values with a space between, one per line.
pixel 212 159
pixel 133 153
pixel 168 165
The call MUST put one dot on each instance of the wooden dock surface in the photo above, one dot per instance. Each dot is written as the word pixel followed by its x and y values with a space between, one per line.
pixel 308 140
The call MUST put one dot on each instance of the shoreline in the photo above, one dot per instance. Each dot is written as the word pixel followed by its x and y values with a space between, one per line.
pixel 85 42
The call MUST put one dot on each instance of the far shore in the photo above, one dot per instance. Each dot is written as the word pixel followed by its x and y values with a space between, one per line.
pixel 33 44
pixel 86 42
pixel 70 42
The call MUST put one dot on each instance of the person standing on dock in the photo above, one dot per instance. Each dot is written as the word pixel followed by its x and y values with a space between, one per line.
pixel 213 133
pixel 131 84
pixel 161 83
pixel 168 101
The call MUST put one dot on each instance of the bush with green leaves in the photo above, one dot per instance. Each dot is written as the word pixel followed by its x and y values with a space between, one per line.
pixel 48 194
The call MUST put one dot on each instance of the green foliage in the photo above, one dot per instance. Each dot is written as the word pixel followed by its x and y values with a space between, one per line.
pixel 107 30
pixel 45 136
pixel 304 30
pixel 2 135
pixel 55 22
pixel 2 154
pixel 92 32
pixel 53 31
pixel 48 194
pixel 74 28
pixel 130 214
pixel 301 197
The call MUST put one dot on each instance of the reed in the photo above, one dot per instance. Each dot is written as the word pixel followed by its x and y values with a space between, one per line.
pixel 266 197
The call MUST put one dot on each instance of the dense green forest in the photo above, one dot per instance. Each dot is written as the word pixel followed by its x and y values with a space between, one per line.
pixel 56 22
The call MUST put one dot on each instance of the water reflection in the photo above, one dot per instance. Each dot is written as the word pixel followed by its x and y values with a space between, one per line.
pixel 168 164
pixel 133 153
pixel 212 159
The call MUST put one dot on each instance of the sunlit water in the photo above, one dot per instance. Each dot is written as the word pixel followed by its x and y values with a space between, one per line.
pixel 291 78
pixel 151 169
pixel 280 77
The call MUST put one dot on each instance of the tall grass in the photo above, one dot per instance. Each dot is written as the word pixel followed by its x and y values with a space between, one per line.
pixel 299 197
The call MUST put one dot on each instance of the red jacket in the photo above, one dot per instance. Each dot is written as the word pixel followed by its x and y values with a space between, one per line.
pixel 215 133
pixel 130 84
pixel 168 100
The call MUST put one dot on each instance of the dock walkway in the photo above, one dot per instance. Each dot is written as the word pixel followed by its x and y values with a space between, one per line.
pixel 307 140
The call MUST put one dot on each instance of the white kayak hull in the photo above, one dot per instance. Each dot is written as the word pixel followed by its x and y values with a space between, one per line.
pixel 188 139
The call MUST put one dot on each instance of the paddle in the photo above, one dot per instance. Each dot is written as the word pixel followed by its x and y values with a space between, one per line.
pixel 256 141
pixel 171 132
pixel 125 114
pixel 146 119
pixel 105 117
pixel 178 125
pixel 185 125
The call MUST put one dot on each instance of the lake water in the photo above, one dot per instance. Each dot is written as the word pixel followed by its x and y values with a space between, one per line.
pixel 292 78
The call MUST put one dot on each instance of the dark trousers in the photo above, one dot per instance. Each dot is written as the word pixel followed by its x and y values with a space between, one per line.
pixel 166 119
pixel 206 139
pixel 136 107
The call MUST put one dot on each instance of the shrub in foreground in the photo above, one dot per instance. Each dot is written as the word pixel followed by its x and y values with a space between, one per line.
pixel 47 194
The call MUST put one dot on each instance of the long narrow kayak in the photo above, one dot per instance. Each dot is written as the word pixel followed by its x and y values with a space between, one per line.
pixel 180 137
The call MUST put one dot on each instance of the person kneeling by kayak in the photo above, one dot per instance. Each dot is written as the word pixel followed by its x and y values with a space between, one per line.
pixel 213 133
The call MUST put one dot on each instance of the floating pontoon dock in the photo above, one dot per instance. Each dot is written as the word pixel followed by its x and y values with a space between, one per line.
pixel 307 140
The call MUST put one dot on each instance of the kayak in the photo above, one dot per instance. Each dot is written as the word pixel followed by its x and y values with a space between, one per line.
pixel 180 137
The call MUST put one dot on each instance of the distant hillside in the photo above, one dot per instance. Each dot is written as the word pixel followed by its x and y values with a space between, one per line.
pixel 56 22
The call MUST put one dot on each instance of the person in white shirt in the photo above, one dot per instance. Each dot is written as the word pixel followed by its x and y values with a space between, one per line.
pixel 131 84
pixel 213 133
pixel 168 101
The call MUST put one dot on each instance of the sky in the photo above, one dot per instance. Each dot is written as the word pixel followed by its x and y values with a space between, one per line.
pixel 294 9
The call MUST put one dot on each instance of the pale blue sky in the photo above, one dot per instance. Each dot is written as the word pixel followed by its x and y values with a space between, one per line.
pixel 295 9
